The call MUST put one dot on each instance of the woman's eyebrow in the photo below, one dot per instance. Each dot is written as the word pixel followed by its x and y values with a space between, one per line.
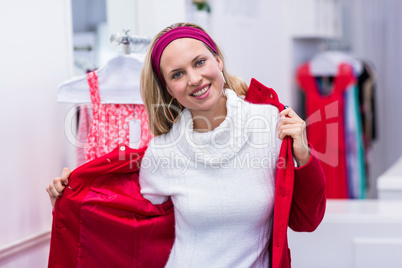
pixel 194 60
pixel 174 70
pixel 197 57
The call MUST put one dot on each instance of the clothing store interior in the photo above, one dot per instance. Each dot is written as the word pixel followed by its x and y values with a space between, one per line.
pixel 336 63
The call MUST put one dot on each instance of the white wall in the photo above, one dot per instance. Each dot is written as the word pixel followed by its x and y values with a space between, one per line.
pixel 35 55
pixel 144 17
pixel 255 38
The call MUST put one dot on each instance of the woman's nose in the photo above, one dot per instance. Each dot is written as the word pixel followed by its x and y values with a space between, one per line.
pixel 194 78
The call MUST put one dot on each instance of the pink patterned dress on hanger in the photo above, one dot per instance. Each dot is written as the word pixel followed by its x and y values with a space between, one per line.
pixel 111 123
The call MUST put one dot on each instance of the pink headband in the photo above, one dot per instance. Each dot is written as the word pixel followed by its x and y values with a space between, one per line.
pixel 176 33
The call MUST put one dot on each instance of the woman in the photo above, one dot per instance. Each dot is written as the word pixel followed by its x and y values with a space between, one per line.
pixel 215 156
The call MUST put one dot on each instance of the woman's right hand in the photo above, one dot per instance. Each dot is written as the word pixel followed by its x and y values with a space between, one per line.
pixel 56 188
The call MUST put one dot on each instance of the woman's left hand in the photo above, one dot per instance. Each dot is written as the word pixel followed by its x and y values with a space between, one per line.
pixel 292 125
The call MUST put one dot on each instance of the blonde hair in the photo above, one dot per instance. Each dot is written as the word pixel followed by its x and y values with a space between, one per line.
pixel 156 97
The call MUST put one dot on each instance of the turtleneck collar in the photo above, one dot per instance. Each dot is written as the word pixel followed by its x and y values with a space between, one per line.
pixel 223 142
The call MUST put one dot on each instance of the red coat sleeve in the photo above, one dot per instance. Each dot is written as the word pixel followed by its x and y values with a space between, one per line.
pixel 309 199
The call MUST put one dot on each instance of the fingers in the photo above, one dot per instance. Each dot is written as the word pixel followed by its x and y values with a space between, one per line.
pixel 52 193
pixel 290 113
pixel 294 127
pixel 65 174
pixel 52 197
pixel 288 121
pixel 56 188
pixel 293 130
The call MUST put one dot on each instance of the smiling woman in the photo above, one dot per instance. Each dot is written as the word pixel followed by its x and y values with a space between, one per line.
pixel 194 79
pixel 167 78
pixel 224 154
pixel 216 201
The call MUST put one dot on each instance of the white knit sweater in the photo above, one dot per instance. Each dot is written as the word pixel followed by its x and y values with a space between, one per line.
pixel 221 183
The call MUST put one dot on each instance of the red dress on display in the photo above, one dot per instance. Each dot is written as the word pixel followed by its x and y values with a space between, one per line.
pixel 326 125
pixel 102 220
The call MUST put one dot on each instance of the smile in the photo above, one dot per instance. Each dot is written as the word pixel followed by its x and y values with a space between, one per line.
pixel 201 92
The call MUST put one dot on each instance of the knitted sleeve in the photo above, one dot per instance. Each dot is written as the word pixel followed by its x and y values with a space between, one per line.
pixel 152 180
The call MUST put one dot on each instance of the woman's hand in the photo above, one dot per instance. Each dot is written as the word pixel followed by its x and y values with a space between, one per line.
pixel 56 188
pixel 292 125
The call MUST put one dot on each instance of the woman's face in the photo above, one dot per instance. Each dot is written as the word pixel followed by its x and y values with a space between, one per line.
pixel 193 74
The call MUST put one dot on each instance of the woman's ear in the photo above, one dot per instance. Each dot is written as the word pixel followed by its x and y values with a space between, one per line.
pixel 220 63
pixel 170 92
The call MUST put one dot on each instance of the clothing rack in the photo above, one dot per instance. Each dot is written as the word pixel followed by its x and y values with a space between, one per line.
pixel 131 44
pixel 334 45
pixel 83 48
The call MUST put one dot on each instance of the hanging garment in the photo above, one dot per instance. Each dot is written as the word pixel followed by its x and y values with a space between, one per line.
pixel 84 126
pixel 354 144
pixel 326 125
pixel 114 124
pixel 102 220
pixel 366 86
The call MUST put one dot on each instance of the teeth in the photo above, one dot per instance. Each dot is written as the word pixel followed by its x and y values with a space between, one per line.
pixel 201 92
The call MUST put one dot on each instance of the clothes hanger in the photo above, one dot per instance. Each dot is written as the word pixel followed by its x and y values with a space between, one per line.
pixel 326 63
pixel 119 78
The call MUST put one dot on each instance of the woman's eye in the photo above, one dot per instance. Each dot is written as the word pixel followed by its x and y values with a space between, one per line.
pixel 177 75
pixel 200 62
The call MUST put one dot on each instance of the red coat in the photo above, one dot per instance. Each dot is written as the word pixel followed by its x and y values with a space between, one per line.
pixel 103 221
pixel 299 192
